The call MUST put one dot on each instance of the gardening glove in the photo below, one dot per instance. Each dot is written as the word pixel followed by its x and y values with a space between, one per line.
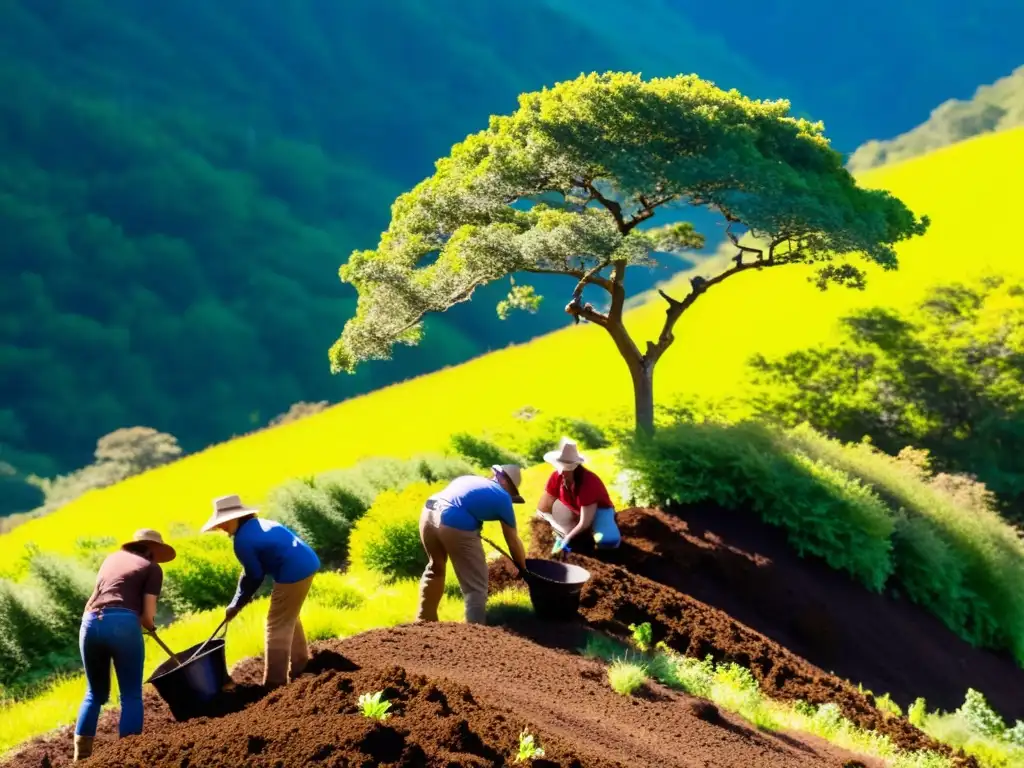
pixel 561 545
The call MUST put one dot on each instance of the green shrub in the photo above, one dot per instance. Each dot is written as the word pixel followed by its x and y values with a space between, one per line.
pixel 330 590
pixel 27 637
pixel 823 510
pixel 321 512
pixel 884 519
pixel 67 585
pixel 372 476
pixel 953 553
pixel 482 452
pixel 203 576
pixel 387 539
pixel 535 433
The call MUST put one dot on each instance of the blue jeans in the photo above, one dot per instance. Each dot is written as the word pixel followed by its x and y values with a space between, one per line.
pixel 606 532
pixel 114 635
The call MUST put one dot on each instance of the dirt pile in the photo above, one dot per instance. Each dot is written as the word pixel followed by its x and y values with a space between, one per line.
pixel 460 696
pixel 746 568
pixel 615 597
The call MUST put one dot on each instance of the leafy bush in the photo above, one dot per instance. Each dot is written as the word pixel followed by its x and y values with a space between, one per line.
pixel 330 590
pixel 323 509
pixel 823 510
pixel 884 519
pixel 482 452
pixel 536 433
pixel 67 585
pixel 387 539
pixel 203 576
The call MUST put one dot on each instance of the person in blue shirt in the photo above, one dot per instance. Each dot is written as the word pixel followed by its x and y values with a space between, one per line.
pixel 267 548
pixel 450 527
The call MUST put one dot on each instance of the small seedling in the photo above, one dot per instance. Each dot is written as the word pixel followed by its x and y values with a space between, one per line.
pixel 374 707
pixel 529 749
pixel 626 677
pixel 643 635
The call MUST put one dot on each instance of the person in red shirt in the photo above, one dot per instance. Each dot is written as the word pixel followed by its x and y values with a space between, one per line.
pixel 575 501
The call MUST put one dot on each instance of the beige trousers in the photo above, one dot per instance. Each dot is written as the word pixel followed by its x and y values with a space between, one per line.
pixel 466 551
pixel 562 518
pixel 286 641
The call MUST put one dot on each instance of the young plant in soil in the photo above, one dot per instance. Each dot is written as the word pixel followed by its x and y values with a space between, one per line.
pixel 529 749
pixel 643 635
pixel 626 677
pixel 374 707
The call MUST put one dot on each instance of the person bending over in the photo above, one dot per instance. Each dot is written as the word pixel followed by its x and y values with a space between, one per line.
pixel 122 604
pixel 450 526
pixel 267 548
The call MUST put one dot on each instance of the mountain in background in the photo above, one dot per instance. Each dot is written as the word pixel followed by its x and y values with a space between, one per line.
pixel 179 182
pixel 994 107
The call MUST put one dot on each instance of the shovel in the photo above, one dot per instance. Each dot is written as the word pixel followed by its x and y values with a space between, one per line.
pixel 163 645
pixel 506 554
pixel 209 639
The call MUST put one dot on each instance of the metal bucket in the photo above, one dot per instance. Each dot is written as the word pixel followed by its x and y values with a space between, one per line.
pixel 188 687
pixel 555 588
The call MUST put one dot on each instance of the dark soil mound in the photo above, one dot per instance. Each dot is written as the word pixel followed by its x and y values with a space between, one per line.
pixel 747 568
pixel 614 598
pixel 461 695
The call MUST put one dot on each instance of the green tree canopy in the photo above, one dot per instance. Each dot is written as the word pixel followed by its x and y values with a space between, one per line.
pixel 561 186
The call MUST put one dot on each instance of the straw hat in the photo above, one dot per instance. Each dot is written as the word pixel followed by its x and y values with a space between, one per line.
pixel 162 553
pixel 566 457
pixel 227 508
pixel 515 476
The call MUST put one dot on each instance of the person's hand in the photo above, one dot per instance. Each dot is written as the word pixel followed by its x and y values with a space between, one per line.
pixel 230 612
pixel 561 545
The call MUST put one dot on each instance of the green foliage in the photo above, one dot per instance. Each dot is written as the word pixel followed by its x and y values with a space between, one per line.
pixel 321 512
pixel 824 511
pixel 203 576
pixel 881 518
pixel 597 156
pixel 373 707
pixel 481 451
pixel 535 433
pixel 995 107
pixel 387 539
pixel 626 677
pixel 917 712
pixel 643 635
pixel 331 590
pixel 979 716
pixel 40 619
pixel 529 747
pixel 947 377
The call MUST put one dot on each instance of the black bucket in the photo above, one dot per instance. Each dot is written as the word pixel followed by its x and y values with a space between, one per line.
pixel 187 688
pixel 555 588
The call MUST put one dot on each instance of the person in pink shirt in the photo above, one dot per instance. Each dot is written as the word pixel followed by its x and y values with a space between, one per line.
pixel 575 501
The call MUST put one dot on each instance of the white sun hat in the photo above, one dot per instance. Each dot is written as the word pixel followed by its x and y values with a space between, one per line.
pixel 566 457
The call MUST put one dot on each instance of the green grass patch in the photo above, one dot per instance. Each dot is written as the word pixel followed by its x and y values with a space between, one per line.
pixel 626 677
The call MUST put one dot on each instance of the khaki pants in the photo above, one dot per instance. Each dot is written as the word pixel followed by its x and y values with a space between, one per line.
pixel 286 641
pixel 466 551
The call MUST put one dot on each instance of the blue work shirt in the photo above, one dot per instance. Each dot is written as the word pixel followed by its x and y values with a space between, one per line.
pixel 471 500
pixel 267 548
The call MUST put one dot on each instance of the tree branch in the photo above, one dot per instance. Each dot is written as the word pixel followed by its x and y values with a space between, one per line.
pixel 699 285
pixel 613 207
pixel 647 211
pixel 579 274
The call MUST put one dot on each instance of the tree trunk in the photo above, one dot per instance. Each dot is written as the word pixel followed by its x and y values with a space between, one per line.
pixel 643 398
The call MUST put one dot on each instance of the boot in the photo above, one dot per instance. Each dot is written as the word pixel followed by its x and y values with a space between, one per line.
pixel 83 747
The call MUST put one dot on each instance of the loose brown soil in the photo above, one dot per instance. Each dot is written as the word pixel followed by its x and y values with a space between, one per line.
pixel 745 567
pixel 461 695
pixel 615 597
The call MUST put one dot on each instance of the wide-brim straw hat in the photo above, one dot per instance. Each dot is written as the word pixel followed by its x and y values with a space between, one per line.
pixel 515 476
pixel 162 552
pixel 566 457
pixel 227 508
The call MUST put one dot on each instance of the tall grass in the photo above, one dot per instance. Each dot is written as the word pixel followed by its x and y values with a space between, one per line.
pixel 870 514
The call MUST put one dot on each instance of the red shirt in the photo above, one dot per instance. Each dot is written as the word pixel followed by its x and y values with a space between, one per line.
pixel 590 491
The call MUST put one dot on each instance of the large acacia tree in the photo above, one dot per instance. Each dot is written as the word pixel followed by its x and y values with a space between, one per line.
pixel 562 185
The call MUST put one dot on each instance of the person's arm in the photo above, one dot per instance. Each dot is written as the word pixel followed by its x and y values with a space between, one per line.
pixel 586 520
pixel 150 593
pixel 148 617
pixel 251 577
pixel 547 501
pixel 515 544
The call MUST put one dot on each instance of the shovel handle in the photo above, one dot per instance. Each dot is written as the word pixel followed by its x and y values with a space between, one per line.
pixel 163 645
pixel 210 638
pixel 506 554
